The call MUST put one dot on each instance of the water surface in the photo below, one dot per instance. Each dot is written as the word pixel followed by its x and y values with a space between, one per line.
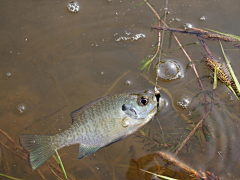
pixel 53 61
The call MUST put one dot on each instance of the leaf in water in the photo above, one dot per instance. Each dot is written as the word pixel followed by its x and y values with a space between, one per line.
pixel 140 4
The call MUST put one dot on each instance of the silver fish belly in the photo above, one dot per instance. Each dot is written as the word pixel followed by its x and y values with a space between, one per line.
pixel 95 125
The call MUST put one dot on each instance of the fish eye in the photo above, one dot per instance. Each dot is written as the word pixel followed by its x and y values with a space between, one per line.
pixel 142 101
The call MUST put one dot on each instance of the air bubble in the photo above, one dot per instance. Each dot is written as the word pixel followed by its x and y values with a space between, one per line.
pixel 8 74
pixel 127 82
pixel 168 70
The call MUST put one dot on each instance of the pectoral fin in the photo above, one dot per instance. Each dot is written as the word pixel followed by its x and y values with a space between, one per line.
pixel 86 150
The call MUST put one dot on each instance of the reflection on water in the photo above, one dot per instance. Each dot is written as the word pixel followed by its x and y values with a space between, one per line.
pixel 54 61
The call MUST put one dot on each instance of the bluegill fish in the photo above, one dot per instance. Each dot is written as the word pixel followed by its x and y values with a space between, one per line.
pixel 95 125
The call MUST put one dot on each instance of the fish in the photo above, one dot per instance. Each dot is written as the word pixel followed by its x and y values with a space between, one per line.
pixel 95 125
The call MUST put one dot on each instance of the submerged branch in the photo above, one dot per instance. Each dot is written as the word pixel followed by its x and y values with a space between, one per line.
pixel 202 33
pixel 192 133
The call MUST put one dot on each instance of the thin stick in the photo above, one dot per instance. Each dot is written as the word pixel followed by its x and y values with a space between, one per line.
pixel 177 30
pixel 40 174
pixel 194 68
pixel 191 133
pixel 4 133
pixel 149 5
pixel 24 158
pixel 205 46
pixel 200 32
pixel 171 160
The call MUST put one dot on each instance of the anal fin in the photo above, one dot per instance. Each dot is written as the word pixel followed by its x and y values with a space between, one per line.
pixel 85 150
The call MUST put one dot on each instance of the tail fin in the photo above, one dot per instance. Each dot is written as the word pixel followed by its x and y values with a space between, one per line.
pixel 39 148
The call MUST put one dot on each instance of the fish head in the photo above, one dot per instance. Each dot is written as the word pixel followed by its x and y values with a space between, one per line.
pixel 142 106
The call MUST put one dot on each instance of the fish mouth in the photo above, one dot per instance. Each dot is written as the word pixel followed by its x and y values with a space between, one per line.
pixel 132 110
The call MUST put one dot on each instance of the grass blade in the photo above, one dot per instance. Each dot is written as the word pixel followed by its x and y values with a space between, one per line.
pixel 231 70
pixel 9 177
pixel 160 176
pixel 194 43
pixel 61 165
pixel 215 78
pixel 140 4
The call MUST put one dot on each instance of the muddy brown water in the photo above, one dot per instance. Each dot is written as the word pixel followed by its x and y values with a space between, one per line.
pixel 53 61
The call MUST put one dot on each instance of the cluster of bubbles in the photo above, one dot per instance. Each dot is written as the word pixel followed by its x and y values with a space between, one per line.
pixel 73 7
pixel 168 70
pixel 202 18
pixel 131 38
pixel 21 108
pixel 187 26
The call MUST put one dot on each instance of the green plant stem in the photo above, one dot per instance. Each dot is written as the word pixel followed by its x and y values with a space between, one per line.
pixel 9 177
pixel 160 176
pixel 61 164
pixel 231 71
pixel 215 78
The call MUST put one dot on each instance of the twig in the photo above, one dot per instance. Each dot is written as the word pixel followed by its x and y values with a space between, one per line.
pixel 177 30
pixel 149 5
pixel 194 68
pixel 172 160
pixel 24 158
pixel 205 46
pixel 203 34
pixel 193 173
pixel 40 174
pixel 4 133
pixel 191 133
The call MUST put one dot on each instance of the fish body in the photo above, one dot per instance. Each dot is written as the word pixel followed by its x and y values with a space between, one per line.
pixel 95 125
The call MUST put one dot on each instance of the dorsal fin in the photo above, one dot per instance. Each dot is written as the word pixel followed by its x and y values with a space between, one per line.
pixel 75 114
